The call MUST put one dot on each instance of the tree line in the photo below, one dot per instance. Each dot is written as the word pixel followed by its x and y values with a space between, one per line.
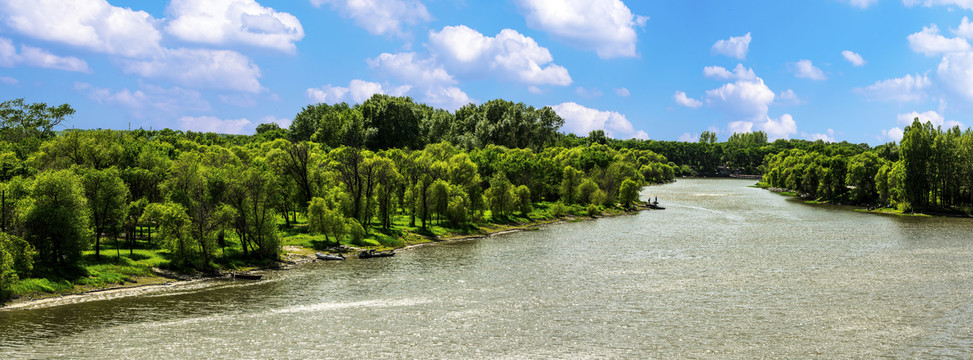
pixel 929 170
pixel 193 195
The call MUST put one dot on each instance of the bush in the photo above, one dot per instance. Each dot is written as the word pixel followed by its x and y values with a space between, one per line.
pixel 356 232
pixel 558 209
pixel 593 210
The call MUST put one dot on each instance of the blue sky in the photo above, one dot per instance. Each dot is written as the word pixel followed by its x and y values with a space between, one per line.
pixel 856 70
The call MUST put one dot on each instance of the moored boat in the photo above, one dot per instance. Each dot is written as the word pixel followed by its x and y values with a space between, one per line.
pixel 247 276
pixel 322 256
pixel 375 254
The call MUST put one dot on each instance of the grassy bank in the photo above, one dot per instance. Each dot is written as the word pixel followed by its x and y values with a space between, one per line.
pixel 118 267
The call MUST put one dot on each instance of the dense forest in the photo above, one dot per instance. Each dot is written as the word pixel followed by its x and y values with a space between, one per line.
pixel 372 174
pixel 928 171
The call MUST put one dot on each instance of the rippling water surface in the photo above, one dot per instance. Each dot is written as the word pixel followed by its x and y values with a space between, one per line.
pixel 727 271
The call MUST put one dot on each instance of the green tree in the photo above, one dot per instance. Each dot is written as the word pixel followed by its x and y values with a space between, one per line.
pixel 108 199
pixel 571 178
pixel 56 218
pixel 26 125
pixel 500 195
pixel 174 231
pixel 629 192
pixel 522 194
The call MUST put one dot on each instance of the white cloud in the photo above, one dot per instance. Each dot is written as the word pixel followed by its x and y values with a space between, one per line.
pixel 683 100
pixel 213 124
pixel 381 17
pixel 588 93
pixel 535 90
pixel 357 91
pixel 449 98
pixel 222 22
pixel 623 92
pixel 92 24
pixel 9 80
pixel 687 137
pixel 853 58
pixel 581 120
pixel 965 4
pixel 827 136
pixel 283 123
pixel 781 128
pixel 965 29
pixel 788 97
pixel 510 54
pixel 426 75
pixel 148 100
pixel 606 26
pixel 955 74
pixel 862 4
pixel 929 42
pixel 215 69
pixel 36 57
pixel 736 46
pixel 409 68
pixel 747 100
pixel 929 116
pixel 893 134
pixel 739 73
pixel 903 89
pixel 805 69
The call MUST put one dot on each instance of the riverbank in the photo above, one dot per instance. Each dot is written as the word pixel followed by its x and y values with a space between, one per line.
pixel 162 280
pixel 868 208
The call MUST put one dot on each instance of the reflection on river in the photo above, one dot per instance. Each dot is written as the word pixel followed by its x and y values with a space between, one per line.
pixel 725 271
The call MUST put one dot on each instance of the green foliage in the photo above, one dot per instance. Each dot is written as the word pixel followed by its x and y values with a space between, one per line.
pixel 558 209
pixel 592 210
pixel 356 232
pixel 107 200
pixel 522 194
pixel 629 192
pixel 56 218
pixel 500 195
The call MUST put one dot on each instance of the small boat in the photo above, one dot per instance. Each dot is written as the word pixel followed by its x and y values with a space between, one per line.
pixel 322 256
pixel 656 207
pixel 247 276
pixel 374 254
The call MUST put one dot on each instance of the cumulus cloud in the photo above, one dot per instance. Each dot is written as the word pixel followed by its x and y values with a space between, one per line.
pixel 147 99
pixel 735 47
pixel 91 24
pixel 805 69
pixel 929 116
pixel 214 69
pixel 929 42
pixel 37 57
pixel 788 97
pixel 745 99
pixel 720 73
pixel 827 136
pixel 426 75
pixel 623 92
pixel 965 28
pixel 213 124
pixel 955 75
pixel 683 100
pixel 893 134
pixel 222 22
pixel 853 58
pixel 687 137
pixel 606 26
pixel 357 91
pixel 511 55
pixel 581 120
pixel 381 17
pixel 903 89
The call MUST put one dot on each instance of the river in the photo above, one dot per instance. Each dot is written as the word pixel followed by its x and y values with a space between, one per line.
pixel 727 271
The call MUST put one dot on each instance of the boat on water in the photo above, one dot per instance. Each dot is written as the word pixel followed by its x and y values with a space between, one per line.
pixel 247 276
pixel 322 256
pixel 374 254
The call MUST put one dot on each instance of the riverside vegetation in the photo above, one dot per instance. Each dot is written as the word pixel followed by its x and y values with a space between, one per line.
pixel 382 174
pixel 85 209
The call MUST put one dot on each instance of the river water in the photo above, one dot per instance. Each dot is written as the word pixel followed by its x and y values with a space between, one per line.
pixel 727 271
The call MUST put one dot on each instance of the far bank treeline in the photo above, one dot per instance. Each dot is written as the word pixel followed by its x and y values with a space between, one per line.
pixel 360 174
pixel 930 170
